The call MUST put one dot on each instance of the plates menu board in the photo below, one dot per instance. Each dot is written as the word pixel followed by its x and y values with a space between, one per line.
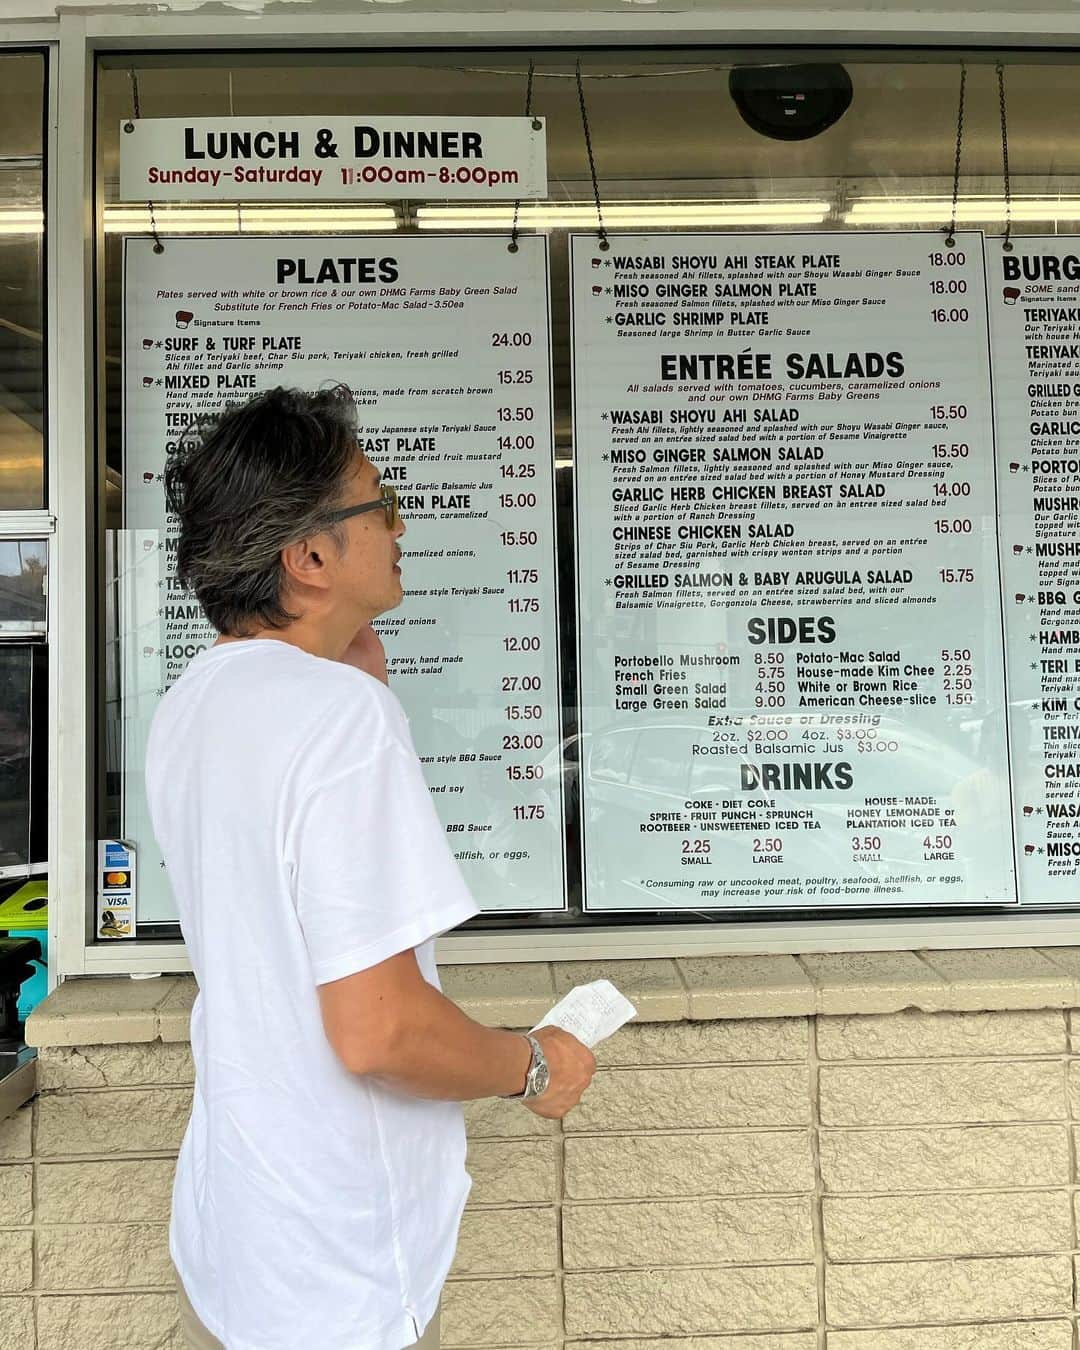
pixel 445 345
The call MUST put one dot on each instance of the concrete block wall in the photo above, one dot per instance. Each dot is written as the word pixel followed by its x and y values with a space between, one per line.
pixel 825 1152
pixel 888 1181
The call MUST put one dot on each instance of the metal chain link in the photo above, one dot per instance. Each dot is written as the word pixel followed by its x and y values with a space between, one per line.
pixel 129 127
pixel 601 229
pixel 950 234
pixel 1006 244
pixel 514 231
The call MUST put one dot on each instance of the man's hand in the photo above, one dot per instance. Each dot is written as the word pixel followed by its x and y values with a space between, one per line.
pixel 366 653
pixel 571 1066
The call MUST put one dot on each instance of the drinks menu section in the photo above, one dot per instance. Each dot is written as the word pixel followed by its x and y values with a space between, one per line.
pixel 444 343
pixel 791 654
pixel 1035 326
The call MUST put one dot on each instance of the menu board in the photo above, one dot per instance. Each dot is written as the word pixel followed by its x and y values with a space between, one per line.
pixel 1035 326
pixel 791 659
pixel 444 343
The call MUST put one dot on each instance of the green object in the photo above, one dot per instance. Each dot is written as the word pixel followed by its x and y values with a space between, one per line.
pixel 25 912
pixel 27 908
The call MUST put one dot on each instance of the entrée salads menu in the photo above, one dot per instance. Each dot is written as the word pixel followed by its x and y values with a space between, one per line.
pixel 791 656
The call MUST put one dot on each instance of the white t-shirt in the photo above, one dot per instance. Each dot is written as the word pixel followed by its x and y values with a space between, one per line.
pixel 312 1207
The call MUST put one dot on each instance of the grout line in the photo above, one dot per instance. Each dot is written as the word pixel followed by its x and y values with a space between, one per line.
pixel 817 1206
pixel 560 1264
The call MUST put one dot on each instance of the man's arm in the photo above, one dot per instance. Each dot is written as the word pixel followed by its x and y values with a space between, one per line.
pixel 390 1023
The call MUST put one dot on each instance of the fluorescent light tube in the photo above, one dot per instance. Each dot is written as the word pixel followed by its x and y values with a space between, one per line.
pixel 623 215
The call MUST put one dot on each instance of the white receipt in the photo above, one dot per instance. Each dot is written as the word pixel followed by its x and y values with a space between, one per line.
pixel 591 1012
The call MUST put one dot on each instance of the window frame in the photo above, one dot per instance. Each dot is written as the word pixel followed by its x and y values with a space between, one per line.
pixel 73 267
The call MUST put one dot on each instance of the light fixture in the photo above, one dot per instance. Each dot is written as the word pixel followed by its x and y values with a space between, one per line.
pixel 187 219
pixel 621 215
pixel 20 220
pixel 969 210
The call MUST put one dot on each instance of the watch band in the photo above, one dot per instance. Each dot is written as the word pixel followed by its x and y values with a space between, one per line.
pixel 536 1080
pixel 531 1088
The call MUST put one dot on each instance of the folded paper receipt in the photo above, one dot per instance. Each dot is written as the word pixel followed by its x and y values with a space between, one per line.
pixel 591 1012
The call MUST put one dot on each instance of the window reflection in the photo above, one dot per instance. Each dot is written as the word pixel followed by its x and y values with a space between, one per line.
pixel 20 799
pixel 23 584
pixel 22 325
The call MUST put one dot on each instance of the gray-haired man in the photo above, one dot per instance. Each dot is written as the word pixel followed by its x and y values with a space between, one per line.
pixel 322 1178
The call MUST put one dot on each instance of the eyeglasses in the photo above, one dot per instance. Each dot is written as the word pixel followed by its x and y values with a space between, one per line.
pixel 387 501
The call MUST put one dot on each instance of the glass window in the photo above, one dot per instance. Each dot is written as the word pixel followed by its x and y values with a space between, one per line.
pixel 23 585
pixel 666 135
pixel 22 308
pixel 23 758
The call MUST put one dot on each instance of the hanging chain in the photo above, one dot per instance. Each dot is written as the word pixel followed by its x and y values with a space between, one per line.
pixel 600 227
pixel 129 127
pixel 514 231
pixel 232 113
pixel 950 235
pixel 1007 241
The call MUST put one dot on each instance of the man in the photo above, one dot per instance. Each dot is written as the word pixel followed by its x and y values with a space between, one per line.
pixel 321 1180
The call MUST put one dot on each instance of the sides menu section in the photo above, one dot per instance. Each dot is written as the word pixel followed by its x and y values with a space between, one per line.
pixel 1035 324
pixel 444 343
pixel 791 653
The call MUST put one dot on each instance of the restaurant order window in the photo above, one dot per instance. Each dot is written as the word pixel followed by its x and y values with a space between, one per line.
pixel 740 459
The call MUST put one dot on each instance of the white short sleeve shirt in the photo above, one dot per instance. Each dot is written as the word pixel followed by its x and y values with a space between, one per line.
pixel 311 1207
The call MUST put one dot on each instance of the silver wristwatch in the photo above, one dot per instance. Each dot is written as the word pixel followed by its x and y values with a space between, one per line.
pixel 538 1077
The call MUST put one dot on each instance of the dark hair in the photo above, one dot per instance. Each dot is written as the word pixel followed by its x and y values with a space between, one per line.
pixel 255 479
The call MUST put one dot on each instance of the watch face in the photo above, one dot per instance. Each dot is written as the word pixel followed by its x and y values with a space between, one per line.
pixel 540 1079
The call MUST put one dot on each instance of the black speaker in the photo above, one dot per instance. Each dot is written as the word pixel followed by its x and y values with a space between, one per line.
pixel 790 103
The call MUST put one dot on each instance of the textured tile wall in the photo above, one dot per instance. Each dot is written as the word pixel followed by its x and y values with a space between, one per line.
pixel 897 1181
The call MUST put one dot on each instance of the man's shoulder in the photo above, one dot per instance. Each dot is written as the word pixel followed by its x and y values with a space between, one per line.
pixel 347 706
pixel 284 687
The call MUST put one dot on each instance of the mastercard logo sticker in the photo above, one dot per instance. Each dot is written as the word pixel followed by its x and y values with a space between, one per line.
pixel 117 878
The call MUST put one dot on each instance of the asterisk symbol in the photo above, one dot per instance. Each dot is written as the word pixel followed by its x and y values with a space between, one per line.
pixel 607 290
pixel 1030 599
pixel 607 263
pixel 160 382
pixel 605 458
pixel 608 582
pixel 1033 637
pixel 1024 468
pixel 159 344
pixel 1038 811
pixel 1029 549
pixel 603 417
pixel 1034 665
pixel 1040 850
pixel 609 319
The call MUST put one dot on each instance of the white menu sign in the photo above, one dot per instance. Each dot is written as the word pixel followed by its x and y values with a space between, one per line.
pixel 1035 309
pixel 791 667
pixel 332 159
pixel 444 343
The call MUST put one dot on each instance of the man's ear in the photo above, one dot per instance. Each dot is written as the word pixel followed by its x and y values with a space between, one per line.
pixel 305 562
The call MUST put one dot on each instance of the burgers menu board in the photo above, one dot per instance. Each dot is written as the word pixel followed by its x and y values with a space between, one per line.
pixel 444 344
pixel 791 645
pixel 1035 325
